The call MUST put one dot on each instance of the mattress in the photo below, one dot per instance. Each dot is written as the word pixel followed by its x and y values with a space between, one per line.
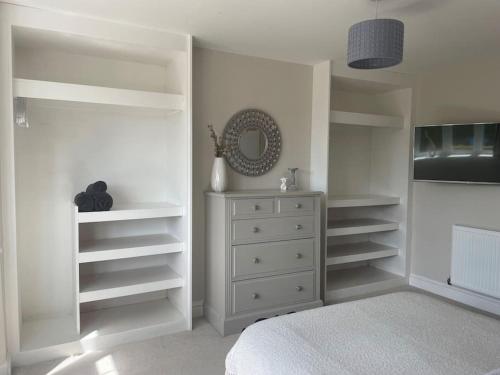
pixel 398 333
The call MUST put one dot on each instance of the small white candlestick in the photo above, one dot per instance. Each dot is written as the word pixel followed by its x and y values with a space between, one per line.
pixel 283 184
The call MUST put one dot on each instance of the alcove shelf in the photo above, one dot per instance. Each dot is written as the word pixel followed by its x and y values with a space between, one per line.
pixel 111 325
pixel 360 147
pixel 103 101
pixel 358 281
pixel 345 227
pixel 158 317
pixel 128 247
pixel 123 283
pixel 109 269
pixel 361 200
pixel 132 211
pixel 69 92
pixel 53 331
pixel 357 252
pixel 365 119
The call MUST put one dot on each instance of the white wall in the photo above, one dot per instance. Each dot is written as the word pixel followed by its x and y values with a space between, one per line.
pixel 225 83
pixel 465 92
pixel 3 341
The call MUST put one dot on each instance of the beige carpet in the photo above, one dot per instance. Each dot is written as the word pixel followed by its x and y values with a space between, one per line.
pixel 201 351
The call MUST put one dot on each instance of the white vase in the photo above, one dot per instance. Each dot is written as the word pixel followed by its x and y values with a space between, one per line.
pixel 219 175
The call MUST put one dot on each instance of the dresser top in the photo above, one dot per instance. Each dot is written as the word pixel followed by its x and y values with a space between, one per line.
pixel 262 193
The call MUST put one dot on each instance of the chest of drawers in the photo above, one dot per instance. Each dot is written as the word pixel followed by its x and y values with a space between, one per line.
pixel 262 256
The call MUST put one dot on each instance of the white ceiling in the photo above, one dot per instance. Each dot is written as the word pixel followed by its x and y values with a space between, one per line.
pixel 309 31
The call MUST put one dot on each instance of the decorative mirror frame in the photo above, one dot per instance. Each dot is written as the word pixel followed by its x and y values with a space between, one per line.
pixel 251 119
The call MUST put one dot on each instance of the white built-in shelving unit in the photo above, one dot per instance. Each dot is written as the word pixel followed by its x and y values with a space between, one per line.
pixel 360 159
pixel 104 101
pixel 109 284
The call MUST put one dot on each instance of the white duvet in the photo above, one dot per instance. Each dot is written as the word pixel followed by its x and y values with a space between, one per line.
pixel 399 333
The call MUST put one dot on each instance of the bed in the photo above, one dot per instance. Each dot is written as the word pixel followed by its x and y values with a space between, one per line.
pixel 398 333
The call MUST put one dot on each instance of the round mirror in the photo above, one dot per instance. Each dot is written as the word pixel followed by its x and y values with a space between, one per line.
pixel 253 143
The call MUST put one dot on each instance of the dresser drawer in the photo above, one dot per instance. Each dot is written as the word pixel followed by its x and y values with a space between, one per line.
pixel 273 257
pixel 272 291
pixel 252 207
pixel 295 205
pixel 272 228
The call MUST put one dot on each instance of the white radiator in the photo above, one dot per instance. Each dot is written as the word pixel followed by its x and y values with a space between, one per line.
pixel 475 260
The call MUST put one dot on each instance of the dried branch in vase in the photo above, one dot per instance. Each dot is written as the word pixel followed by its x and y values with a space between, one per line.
pixel 219 146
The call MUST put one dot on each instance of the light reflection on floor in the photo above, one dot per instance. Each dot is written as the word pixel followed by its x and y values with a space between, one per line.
pixel 201 351
pixel 66 363
pixel 106 366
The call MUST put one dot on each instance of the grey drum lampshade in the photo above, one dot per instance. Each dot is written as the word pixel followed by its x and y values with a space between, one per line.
pixel 375 44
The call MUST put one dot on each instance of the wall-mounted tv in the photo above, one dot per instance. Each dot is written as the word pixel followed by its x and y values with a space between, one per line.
pixel 457 153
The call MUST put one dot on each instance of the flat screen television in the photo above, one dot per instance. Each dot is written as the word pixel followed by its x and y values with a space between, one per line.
pixel 457 153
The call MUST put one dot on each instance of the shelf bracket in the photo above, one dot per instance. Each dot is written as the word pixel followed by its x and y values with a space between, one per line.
pixel 20 115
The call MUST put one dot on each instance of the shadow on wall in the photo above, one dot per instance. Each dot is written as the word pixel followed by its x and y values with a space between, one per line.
pixel 461 114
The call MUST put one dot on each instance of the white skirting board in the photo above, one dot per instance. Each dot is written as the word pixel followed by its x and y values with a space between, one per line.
pixel 197 309
pixel 478 301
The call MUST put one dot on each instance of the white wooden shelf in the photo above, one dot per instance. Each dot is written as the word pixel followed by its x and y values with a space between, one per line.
pixel 134 253
pixel 115 284
pixel 132 212
pixel 114 325
pixel 338 201
pixel 365 119
pixel 352 282
pixel 128 247
pixel 357 252
pixel 40 333
pixel 359 226
pixel 158 315
pixel 69 92
pixel 369 80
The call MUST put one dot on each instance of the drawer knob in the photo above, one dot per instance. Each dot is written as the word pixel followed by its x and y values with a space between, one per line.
pixel 255 295
pixel 256 260
pixel 298 255
pixel 256 229
pixel 298 227
pixel 299 288
pixel 298 205
pixel 256 207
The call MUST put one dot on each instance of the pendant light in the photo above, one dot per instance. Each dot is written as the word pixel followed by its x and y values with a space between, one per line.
pixel 376 43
